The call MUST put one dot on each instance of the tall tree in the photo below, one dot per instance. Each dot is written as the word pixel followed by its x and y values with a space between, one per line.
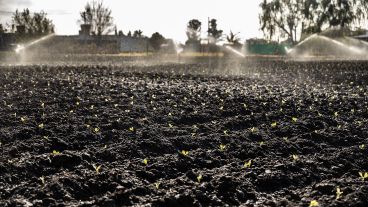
pixel 157 40
pixel 291 18
pixel 213 31
pixel 34 23
pixel 138 33
pixel 98 16
pixel 194 30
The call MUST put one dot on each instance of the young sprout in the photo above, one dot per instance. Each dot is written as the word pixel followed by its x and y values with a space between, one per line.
pixel 115 105
pixel 55 152
pixel 157 185
pixel 131 129
pixel 145 161
pixel 199 178
pixel 23 119
pixel 247 164
pixel 97 168
pixel 362 146
pixel 295 157
pixel 226 132
pixel 253 129
pixel 221 108
pixel 245 106
pixel 170 114
pixel 184 152
pixel 338 193
pixel 42 105
pixel 42 178
pixel 261 143
pixel 77 103
pixel 96 130
pixel 294 119
pixel 336 114
pixel 274 124
pixel 40 126
pixel 92 106
pixel 222 147
pixel 313 203
pixel 363 175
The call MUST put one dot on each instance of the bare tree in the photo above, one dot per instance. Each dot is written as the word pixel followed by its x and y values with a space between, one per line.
pixel 99 17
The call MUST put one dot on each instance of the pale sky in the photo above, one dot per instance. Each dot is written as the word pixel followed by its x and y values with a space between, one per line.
pixel 169 17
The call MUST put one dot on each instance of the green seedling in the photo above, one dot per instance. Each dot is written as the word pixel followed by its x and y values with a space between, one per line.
pixel 184 152
pixel 157 185
pixel 313 203
pixel 171 126
pixel 222 147
pixel 199 178
pixel 336 114
pixel 41 126
pixel 170 114
pixel 55 152
pixel 221 108
pixel 294 119
pixel 338 193
pixel 247 164
pixel 295 157
pixel 42 178
pixel 97 168
pixel 362 146
pixel 42 105
pixel 253 129
pixel 226 132
pixel 96 130
pixel 77 103
pixel 23 119
pixel 261 143
pixel 363 175
pixel 274 124
pixel 131 129
pixel 145 161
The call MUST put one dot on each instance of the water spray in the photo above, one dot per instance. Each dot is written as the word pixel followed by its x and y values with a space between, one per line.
pixel 235 51
pixel 23 47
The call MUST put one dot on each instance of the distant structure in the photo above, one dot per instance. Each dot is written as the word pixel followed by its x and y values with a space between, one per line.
pixel 263 47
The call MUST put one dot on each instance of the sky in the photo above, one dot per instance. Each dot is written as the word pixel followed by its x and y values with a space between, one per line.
pixel 169 17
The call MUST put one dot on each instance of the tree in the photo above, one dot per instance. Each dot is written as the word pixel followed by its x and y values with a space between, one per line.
pixel 233 39
pixel 157 40
pixel 213 32
pixel 290 18
pixel 194 30
pixel 138 33
pixel 98 16
pixel 36 23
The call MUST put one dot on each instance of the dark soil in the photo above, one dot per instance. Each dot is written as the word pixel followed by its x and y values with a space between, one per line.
pixel 59 123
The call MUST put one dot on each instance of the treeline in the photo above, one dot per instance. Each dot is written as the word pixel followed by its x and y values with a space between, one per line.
pixel 292 18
